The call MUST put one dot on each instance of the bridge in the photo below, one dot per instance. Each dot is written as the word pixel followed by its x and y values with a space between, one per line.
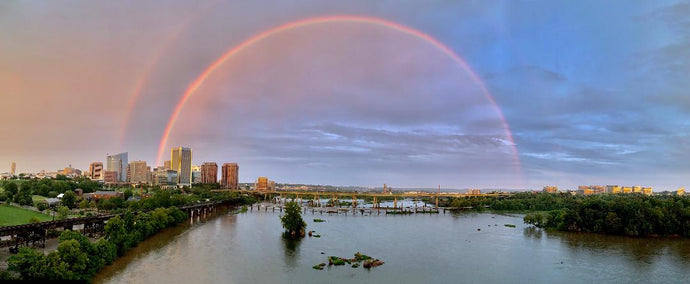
pixel 316 196
pixel 37 233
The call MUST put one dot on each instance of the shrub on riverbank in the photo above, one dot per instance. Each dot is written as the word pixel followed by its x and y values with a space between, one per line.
pixel 630 215
pixel 77 258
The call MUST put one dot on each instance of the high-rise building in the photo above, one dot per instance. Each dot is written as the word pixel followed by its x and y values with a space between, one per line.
pixel 138 172
pixel 209 172
pixel 96 171
pixel 181 161
pixel 118 163
pixel 149 175
pixel 262 184
pixel 13 168
pixel 166 165
pixel 196 174
pixel 230 176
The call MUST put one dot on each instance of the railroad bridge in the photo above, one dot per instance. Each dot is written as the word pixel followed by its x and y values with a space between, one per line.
pixel 36 233
pixel 316 196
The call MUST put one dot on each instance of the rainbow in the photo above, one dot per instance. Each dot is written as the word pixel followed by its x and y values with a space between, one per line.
pixel 191 89
pixel 151 66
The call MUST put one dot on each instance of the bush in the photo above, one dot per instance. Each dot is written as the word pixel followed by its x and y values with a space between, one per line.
pixel 41 206
pixel 292 220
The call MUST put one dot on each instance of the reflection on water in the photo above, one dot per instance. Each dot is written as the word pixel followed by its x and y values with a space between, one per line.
pixel 466 247
pixel 291 251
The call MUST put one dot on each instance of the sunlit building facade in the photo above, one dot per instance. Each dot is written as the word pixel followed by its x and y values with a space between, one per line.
pixel 181 162
pixel 118 163
pixel 261 184
pixel 96 171
pixel 138 171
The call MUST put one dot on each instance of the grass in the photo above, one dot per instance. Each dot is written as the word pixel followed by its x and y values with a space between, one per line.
pixel 10 215
pixel 37 198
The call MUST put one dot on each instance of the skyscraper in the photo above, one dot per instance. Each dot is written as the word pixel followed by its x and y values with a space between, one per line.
pixel 13 168
pixel 138 171
pixel 96 170
pixel 262 184
pixel 230 175
pixel 209 172
pixel 181 162
pixel 118 163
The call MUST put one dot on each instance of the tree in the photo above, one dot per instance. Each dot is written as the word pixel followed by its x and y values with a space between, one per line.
pixel 11 189
pixel 115 232
pixel 63 212
pixel 77 261
pixel 105 250
pixel 84 204
pixel 128 193
pixel 69 199
pixel 94 260
pixel 29 263
pixel 292 220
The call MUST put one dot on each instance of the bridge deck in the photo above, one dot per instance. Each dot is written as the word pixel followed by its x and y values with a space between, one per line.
pixel 365 194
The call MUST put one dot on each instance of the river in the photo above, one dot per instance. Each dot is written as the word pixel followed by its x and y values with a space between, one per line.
pixel 419 248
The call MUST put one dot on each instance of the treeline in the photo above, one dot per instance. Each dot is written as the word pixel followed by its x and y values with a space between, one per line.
pixel 21 191
pixel 523 201
pixel 629 214
pixel 166 198
pixel 77 258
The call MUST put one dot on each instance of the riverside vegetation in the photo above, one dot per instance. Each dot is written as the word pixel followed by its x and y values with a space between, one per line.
pixel 629 215
pixel 81 259
pixel 77 258
pixel 615 214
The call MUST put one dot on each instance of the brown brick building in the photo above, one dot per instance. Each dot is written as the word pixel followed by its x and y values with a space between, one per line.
pixel 209 172
pixel 230 176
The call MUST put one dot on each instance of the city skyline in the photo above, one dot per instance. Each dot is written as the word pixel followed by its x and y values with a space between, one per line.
pixel 357 94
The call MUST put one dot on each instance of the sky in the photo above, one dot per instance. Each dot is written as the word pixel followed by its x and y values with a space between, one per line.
pixel 561 93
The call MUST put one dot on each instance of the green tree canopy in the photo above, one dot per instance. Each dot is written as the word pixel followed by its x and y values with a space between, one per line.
pixel 69 199
pixel 292 220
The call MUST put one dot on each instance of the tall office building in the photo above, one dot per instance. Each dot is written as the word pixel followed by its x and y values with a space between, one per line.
pixel 138 172
pixel 209 172
pixel 166 165
pixel 181 162
pixel 118 163
pixel 13 168
pixel 230 176
pixel 96 170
